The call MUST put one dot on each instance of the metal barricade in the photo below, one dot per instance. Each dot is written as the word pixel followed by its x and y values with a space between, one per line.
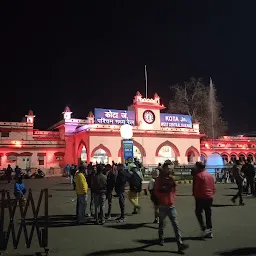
pixel 10 232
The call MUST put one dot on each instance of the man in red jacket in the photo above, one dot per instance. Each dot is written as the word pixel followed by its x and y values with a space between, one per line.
pixel 203 191
pixel 165 191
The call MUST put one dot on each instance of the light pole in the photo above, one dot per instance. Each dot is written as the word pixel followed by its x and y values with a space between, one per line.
pixel 127 142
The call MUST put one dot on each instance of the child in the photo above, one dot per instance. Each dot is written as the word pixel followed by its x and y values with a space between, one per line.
pixel 155 174
pixel 19 190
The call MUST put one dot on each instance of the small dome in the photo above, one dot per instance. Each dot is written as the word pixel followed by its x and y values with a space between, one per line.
pixel 30 113
pixel 138 93
pixel 156 95
pixel 90 114
pixel 67 109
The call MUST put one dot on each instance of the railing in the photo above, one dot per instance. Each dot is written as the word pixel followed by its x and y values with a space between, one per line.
pixel 10 233
pixel 184 172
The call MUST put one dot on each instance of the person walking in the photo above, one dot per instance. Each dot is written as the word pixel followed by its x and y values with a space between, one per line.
pixel 238 176
pixel 111 180
pixel 151 187
pixel 135 181
pixel 165 192
pixel 99 188
pixel 121 180
pixel 81 192
pixel 203 192
pixel 67 171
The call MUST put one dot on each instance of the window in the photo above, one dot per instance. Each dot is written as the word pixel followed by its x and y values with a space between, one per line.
pixel 41 162
pixel 59 158
pixel 11 158
pixel 5 134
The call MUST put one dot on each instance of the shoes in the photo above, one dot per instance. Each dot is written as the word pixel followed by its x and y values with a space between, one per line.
pixel 134 212
pixel 120 220
pixel 108 217
pixel 156 220
pixel 233 200
pixel 242 204
pixel 208 233
pixel 182 247
pixel 161 241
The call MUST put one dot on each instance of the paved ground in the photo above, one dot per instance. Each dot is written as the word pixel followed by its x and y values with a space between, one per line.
pixel 234 226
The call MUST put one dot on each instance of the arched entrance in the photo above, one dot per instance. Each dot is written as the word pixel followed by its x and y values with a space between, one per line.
pixel 250 157
pixel 100 154
pixel 192 155
pixel 137 154
pixel 167 151
pixel 242 158
pixel 225 158
pixel 83 154
pixel 233 157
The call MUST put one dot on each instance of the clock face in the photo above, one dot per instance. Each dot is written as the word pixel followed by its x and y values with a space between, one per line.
pixel 149 117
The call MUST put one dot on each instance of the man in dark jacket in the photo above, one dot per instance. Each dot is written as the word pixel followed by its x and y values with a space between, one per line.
pixel 8 173
pixel 249 173
pixel 238 176
pixel 99 189
pixel 111 180
pixel 121 180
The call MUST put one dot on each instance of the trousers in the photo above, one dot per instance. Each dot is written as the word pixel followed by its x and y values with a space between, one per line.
pixel 204 205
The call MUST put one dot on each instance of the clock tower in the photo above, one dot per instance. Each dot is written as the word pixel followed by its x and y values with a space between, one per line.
pixel 147 111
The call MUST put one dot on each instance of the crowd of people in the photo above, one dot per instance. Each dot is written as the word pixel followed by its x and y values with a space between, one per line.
pixel 104 180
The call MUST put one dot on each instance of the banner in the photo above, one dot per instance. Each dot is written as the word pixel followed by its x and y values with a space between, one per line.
pixel 128 149
pixel 115 117
pixel 173 120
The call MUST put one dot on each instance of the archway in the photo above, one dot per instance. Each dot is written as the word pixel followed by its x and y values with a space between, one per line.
pixel 137 154
pixel 167 151
pixel 225 157
pixel 192 155
pixel 233 157
pixel 250 157
pixel 100 154
pixel 203 157
pixel 82 153
pixel 138 151
pixel 242 157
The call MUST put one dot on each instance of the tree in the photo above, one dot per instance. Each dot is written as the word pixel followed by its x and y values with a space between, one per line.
pixel 193 98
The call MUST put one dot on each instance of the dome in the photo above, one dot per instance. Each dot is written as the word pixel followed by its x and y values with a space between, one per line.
pixel 30 113
pixel 214 161
pixel 67 109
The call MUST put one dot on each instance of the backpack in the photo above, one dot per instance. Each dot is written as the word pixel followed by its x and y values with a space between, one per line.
pixel 136 183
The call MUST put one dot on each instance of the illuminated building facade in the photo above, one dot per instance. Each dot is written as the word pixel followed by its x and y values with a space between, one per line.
pixel 157 136
pixel 230 148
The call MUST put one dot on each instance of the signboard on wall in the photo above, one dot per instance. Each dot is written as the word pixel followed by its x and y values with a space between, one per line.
pixel 127 149
pixel 115 117
pixel 173 120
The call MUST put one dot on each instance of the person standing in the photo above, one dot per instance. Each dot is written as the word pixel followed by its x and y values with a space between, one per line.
pixel 99 188
pixel 72 176
pixel 249 173
pixel 121 180
pixel 135 181
pixel 111 180
pixel 238 176
pixel 203 192
pixel 8 173
pixel 67 171
pixel 165 192
pixel 81 192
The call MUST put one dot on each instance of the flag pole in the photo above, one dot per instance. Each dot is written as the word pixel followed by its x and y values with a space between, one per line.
pixel 146 80
pixel 212 109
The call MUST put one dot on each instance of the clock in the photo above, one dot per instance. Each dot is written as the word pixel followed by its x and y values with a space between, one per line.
pixel 149 117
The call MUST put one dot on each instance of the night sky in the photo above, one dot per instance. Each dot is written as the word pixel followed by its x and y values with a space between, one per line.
pixel 93 55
